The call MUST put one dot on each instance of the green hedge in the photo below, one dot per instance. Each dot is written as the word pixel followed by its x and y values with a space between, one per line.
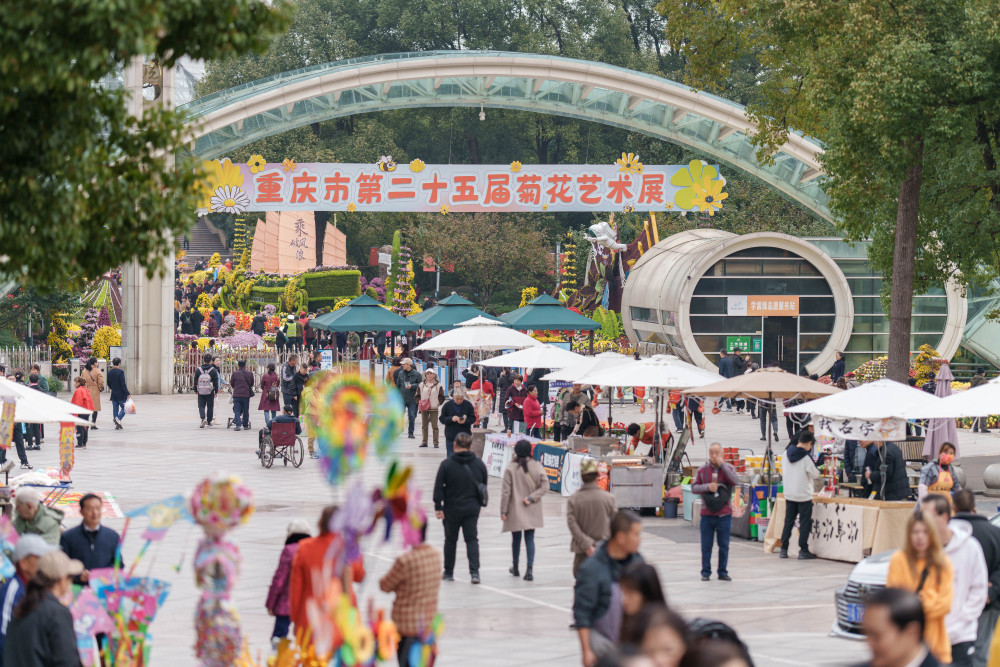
pixel 266 295
pixel 315 305
pixel 323 285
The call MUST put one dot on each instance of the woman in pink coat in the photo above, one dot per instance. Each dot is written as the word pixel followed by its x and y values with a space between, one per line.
pixel 532 412
pixel 278 595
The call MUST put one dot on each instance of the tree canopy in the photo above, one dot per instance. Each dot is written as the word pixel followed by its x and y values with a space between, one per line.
pixel 83 186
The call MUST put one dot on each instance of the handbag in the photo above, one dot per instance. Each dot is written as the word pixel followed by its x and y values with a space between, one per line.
pixel 424 404
pixel 481 490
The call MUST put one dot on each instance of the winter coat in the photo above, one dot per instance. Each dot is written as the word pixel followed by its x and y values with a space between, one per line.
pixel 592 592
pixel 518 485
pixel 277 595
pixel 410 377
pixel 95 553
pixel 95 383
pixel 799 473
pixel 455 489
pixel 516 398
pixel 300 384
pixel 588 515
pixel 44 638
pixel 726 369
pixel 543 385
pixel 288 374
pixel 258 325
pixel 970 585
pixel 433 392
pixel 242 382
pixel 837 371
pixel 936 596
pixel 116 383
pixel 270 378
pixel 45 523
pixel 532 411
pixel 452 409
pixel 988 537
pixel 897 486
pixel 82 398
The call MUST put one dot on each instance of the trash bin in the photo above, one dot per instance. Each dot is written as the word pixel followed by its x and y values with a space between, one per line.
pixel 688 500
pixel 670 508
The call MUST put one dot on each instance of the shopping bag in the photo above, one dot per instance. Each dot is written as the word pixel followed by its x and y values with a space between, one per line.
pixel 129 406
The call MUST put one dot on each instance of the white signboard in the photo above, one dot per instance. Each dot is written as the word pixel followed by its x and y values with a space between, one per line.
pixel 385 258
pixel 496 456
pixel 326 359
pixel 837 532
pixel 736 305
pixel 887 429
pixel 571 481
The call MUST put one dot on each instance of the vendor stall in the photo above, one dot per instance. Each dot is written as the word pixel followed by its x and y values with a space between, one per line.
pixel 847 529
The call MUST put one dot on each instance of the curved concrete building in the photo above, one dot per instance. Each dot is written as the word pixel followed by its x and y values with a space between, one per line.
pixel 789 301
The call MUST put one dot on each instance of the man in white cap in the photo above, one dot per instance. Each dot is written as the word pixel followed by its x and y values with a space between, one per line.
pixel 29 549
pixel 34 517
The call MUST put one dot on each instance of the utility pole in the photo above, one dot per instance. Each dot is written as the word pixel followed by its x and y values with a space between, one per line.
pixel 558 257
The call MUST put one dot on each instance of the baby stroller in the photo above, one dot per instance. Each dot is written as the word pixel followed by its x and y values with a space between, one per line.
pixel 281 441
pixel 231 420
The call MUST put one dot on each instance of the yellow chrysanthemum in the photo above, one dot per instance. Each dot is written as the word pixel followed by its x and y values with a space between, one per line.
pixel 669 205
pixel 709 196
pixel 515 166
pixel 417 166
pixel 351 208
pixel 256 163
pixel 289 164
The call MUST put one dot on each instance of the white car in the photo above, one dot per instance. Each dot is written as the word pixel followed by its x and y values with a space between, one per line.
pixel 867 577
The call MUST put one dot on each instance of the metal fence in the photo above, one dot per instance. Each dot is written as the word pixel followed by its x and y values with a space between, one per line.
pixel 14 358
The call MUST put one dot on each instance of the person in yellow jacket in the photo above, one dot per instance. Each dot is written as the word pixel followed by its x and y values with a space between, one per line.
pixel 922 567
pixel 305 407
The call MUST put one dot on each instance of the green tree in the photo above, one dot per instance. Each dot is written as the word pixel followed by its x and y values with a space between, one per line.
pixel 904 96
pixel 26 303
pixel 83 186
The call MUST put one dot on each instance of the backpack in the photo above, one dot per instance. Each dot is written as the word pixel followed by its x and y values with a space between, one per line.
pixel 273 393
pixel 204 383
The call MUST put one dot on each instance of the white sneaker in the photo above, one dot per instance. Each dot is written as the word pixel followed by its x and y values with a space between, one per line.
pixel 202 424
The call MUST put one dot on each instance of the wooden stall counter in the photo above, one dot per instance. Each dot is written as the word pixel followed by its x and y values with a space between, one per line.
pixel 847 529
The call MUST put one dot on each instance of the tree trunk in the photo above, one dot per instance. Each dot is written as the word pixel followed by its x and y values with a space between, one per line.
pixel 904 255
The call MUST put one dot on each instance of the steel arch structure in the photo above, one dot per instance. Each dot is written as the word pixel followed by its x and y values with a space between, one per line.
pixel 553 85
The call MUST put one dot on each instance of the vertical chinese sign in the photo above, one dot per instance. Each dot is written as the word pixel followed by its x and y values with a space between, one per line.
pixel 6 424
pixel 66 453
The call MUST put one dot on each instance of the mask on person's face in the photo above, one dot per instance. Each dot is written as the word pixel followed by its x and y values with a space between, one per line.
pixel 946 459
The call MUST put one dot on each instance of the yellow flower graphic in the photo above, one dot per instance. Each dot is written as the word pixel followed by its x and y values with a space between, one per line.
pixel 351 208
pixel 710 196
pixel 217 174
pixel 697 180
pixel 545 207
pixel 289 164
pixel 629 163
pixel 515 166
pixel 669 205
pixel 629 209
pixel 417 166
pixel 444 209
pixel 256 163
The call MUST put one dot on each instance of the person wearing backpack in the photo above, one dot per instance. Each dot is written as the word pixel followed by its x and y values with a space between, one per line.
pixel 242 382
pixel 206 383
pixel 459 494
pixel 714 482
pixel 270 394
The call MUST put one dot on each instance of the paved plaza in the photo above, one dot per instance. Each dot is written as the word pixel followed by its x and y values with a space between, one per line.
pixel 783 609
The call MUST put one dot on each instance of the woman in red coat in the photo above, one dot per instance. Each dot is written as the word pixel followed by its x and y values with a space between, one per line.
pixel 532 412
pixel 82 398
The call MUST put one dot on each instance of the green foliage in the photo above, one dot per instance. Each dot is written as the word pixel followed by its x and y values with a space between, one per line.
pixel 610 321
pixel 104 339
pixel 55 384
pixel 264 295
pixel 372 292
pixel 323 285
pixel 83 186
pixel 28 301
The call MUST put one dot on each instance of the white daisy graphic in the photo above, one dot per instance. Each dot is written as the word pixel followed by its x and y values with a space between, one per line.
pixel 230 199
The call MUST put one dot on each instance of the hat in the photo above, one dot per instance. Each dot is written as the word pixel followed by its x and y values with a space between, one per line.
pixel 56 565
pixel 291 317
pixel 588 466
pixel 31 545
pixel 299 526
pixel 406 360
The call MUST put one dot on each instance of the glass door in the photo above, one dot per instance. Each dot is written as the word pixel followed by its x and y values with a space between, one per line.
pixel 781 342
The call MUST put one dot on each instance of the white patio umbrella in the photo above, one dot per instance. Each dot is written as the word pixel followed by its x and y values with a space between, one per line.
pixel 542 356
pixel 481 334
pixel 599 362
pixel 34 407
pixel 980 401
pixel 874 400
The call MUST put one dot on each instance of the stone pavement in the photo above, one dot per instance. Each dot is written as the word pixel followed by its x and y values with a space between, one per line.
pixel 783 609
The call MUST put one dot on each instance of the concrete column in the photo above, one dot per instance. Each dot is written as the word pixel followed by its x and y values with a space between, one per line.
pixel 148 318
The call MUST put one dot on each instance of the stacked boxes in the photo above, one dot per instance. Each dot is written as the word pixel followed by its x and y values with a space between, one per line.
pixel 731 455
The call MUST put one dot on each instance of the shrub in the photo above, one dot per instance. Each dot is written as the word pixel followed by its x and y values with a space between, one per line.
pixel 103 319
pixel 104 339
pixel 55 384
pixel 215 260
pixel 204 301
pixel 328 284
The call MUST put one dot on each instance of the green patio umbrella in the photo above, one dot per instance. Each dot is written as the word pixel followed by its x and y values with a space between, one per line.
pixel 545 312
pixel 362 314
pixel 447 314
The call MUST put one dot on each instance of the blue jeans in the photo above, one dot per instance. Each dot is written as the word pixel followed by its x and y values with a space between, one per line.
pixel 712 526
pixel 678 413
pixel 241 411
pixel 411 413
pixel 281 625
pixel 269 416
pixel 529 545
pixel 118 410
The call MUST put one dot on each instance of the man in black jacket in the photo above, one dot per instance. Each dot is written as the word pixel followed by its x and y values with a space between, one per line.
pixel 457 502
pixel 892 484
pixel 119 392
pixel 258 325
pixel 287 375
pixel 94 545
pixel 988 537
pixel 458 416
pixel 407 381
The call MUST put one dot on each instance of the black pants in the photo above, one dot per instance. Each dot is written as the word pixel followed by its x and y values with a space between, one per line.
pixel 32 436
pixel 206 407
pixel 94 418
pixel 804 510
pixel 468 524
pixel 762 415
pixel 403 650
pixel 790 426
pixel 18 445
pixel 961 654
pixel 81 436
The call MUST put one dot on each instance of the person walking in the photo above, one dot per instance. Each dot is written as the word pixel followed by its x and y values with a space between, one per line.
pixel 922 567
pixel 277 602
pixel 119 392
pixel 588 515
pixel 306 408
pixel 971 580
pixel 458 416
pixel 41 623
pixel 259 324
pixel 597 597
pixel 242 382
pixel 714 482
pixel 81 397
pixel 93 544
pixel 458 498
pixel 95 384
pixel 988 537
pixel 696 409
pixel 26 554
pixel 513 402
pixel 676 406
pixel 270 394
pixel 288 370
pixel 415 578
pixel 532 411
pixel 33 517
pixel 431 395
pixel 799 473
pixel 206 382
pixel 894 626
pixel 726 370
pixel 407 381
pixel 524 485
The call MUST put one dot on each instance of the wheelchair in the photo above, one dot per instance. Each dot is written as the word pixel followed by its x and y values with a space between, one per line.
pixel 281 442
